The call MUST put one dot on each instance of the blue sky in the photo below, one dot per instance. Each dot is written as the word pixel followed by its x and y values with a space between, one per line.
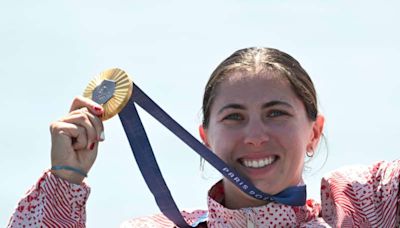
pixel 49 50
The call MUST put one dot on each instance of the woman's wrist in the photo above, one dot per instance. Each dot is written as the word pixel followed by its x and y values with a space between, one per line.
pixel 68 173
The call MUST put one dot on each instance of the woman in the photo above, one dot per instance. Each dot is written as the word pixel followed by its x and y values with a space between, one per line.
pixel 261 117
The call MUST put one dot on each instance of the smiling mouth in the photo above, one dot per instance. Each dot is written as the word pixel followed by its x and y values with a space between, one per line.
pixel 258 163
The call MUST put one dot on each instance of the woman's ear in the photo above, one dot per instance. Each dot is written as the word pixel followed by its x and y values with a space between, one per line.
pixel 317 128
pixel 203 135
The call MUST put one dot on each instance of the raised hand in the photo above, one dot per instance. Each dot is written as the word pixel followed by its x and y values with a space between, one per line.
pixel 75 139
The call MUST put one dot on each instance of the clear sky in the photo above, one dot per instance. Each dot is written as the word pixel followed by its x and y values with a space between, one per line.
pixel 49 50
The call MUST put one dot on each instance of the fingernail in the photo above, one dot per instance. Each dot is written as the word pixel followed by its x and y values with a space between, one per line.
pixel 102 137
pixel 97 108
pixel 91 146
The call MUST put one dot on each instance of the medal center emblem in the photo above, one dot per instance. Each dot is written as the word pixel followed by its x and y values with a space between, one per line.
pixel 104 92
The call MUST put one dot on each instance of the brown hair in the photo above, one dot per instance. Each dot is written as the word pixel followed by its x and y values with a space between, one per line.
pixel 257 60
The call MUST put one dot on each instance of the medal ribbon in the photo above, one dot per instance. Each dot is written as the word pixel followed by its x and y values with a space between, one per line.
pixel 143 153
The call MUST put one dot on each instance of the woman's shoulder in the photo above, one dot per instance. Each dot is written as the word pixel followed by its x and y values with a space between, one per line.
pixel 378 181
pixel 361 195
pixel 377 171
pixel 196 218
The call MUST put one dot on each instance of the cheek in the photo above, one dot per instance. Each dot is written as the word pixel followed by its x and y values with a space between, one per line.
pixel 222 142
pixel 295 144
pixel 294 137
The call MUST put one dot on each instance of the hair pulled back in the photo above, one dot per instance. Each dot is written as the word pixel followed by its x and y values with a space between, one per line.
pixel 257 60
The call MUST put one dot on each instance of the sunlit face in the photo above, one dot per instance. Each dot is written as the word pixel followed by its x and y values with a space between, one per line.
pixel 259 127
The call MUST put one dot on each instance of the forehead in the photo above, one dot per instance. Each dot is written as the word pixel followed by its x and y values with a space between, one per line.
pixel 242 86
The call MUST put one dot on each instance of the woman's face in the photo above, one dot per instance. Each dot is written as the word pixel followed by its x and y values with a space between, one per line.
pixel 259 127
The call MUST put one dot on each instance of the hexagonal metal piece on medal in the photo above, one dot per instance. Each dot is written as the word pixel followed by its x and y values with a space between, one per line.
pixel 112 89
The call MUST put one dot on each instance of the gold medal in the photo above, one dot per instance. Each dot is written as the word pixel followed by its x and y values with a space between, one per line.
pixel 112 89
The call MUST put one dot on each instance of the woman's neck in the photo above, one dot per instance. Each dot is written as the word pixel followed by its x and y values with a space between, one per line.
pixel 235 198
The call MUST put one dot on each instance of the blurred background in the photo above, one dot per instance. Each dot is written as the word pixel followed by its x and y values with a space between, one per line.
pixel 49 50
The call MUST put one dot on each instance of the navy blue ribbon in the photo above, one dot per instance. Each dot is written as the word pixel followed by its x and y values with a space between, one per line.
pixel 141 148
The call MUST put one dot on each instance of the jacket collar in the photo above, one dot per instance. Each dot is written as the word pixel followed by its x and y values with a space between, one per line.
pixel 267 215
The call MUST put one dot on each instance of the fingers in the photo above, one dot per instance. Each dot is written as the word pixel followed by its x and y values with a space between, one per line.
pixel 69 143
pixel 91 107
pixel 75 135
pixel 82 102
pixel 88 126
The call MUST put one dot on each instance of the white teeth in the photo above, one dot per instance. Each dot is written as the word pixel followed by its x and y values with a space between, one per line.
pixel 258 163
pixel 261 163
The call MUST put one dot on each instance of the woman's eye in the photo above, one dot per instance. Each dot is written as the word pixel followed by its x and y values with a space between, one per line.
pixel 233 116
pixel 276 113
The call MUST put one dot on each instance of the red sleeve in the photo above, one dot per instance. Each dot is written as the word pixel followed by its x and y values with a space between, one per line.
pixel 52 202
pixel 196 218
pixel 362 196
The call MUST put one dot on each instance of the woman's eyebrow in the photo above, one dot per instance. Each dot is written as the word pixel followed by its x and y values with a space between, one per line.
pixel 233 106
pixel 266 105
pixel 277 102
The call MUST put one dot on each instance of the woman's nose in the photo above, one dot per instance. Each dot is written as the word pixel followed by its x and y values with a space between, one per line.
pixel 256 134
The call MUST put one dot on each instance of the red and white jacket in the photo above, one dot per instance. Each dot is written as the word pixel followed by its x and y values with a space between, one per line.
pixel 357 196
